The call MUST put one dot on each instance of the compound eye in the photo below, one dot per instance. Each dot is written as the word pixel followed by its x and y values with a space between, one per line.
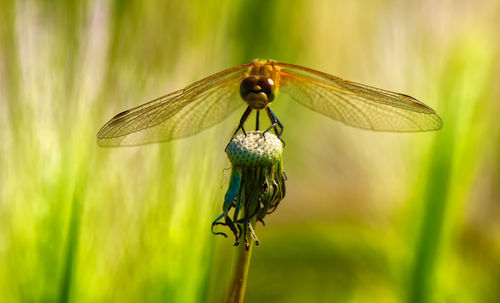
pixel 267 86
pixel 247 86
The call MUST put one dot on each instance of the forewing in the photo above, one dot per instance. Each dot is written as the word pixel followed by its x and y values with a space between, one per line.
pixel 178 114
pixel 356 104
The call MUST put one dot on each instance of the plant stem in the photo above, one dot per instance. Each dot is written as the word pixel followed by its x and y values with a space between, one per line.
pixel 237 284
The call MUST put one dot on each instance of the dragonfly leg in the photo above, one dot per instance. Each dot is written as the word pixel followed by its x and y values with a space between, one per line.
pixel 242 121
pixel 275 123
pixel 240 126
pixel 272 117
pixel 257 114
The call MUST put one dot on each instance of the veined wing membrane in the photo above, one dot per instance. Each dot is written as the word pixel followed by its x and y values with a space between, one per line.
pixel 178 114
pixel 356 104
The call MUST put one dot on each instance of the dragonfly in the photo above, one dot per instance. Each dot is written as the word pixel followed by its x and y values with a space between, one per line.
pixel 207 102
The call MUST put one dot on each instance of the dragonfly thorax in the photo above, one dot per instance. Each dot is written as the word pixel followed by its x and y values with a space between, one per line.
pixel 257 91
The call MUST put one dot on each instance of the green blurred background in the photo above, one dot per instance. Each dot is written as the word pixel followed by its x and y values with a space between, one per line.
pixel 368 217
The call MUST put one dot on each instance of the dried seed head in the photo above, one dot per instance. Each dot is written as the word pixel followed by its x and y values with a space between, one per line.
pixel 257 183
pixel 256 149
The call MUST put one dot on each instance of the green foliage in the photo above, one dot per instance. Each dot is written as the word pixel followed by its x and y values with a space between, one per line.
pixel 367 217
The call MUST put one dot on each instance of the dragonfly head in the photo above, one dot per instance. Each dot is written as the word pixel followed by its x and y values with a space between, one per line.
pixel 257 91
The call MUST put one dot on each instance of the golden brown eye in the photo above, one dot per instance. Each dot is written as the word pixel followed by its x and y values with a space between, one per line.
pixel 267 86
pixel 256 85
pixel 247 86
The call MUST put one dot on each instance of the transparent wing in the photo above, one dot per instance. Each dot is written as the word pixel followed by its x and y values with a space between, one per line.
pixel 356 104
pixel 178 114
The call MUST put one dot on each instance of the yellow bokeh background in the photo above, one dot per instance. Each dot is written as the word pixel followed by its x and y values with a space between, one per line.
pixel 368 217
